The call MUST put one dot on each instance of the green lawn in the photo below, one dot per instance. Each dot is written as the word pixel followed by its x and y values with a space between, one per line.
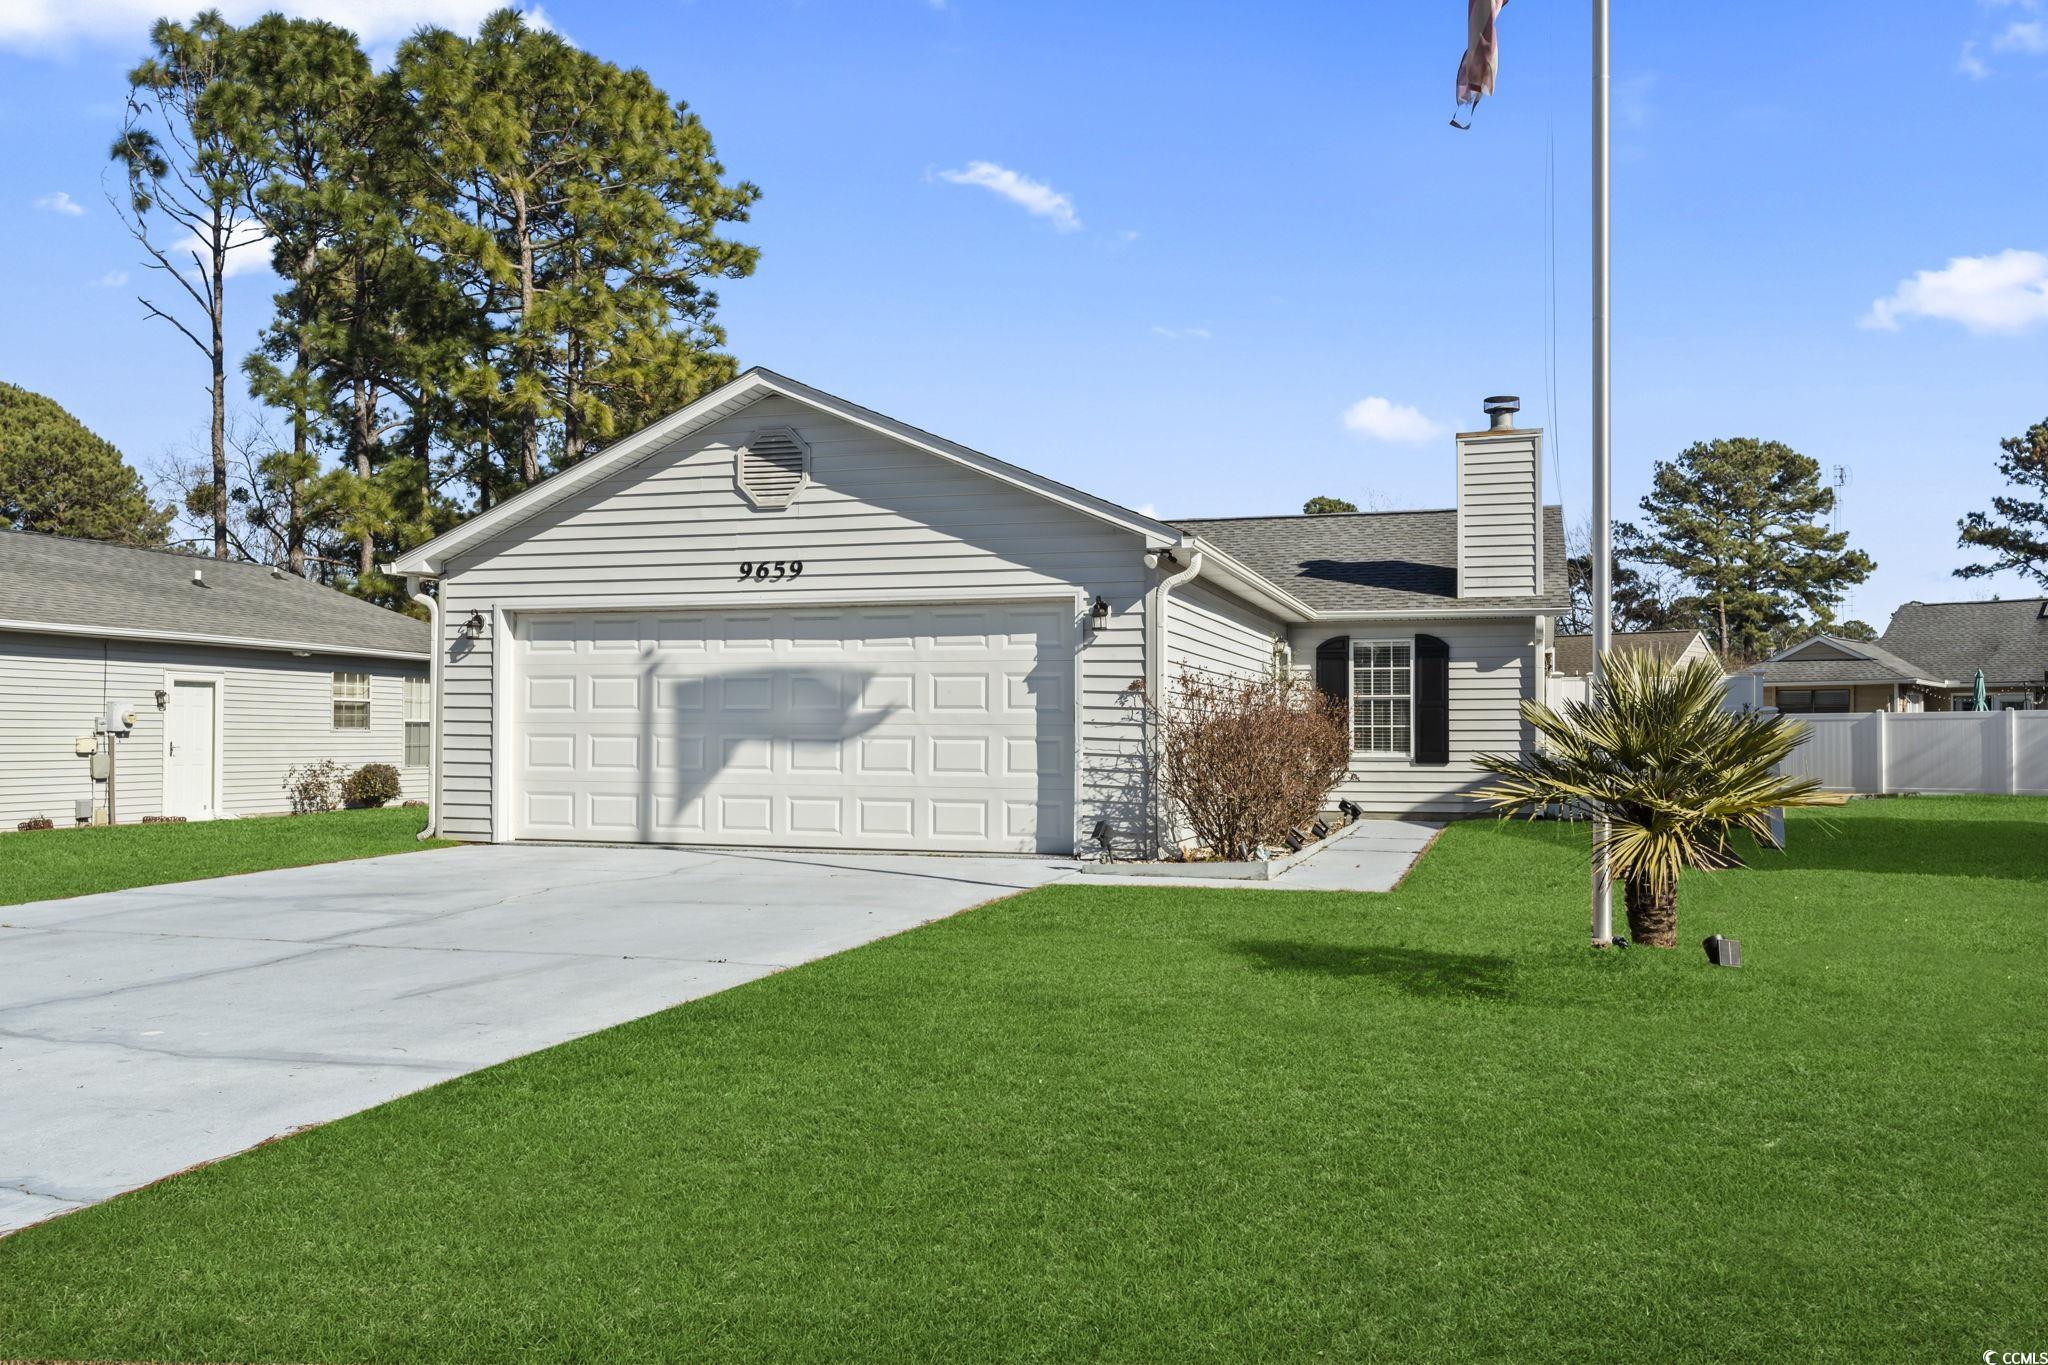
pixel 77 862
pixel 1149 1124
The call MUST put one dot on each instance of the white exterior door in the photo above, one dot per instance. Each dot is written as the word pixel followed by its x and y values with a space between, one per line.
pixel 947 727
pixel 188 749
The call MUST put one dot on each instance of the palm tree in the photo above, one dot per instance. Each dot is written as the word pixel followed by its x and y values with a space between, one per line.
pixel 1672 770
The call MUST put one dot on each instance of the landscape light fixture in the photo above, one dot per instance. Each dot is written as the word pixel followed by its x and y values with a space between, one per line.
pixel 1352 810
pixel 1102 837
pixel 1723 952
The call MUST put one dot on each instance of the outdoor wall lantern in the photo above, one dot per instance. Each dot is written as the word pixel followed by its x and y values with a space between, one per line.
pixel 474 626
pixel 1098 615
pixel 162 698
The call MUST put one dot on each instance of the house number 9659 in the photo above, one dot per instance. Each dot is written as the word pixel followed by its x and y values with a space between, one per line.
pixel 770 570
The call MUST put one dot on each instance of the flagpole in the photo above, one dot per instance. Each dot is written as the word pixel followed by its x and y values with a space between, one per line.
pixel 1603 522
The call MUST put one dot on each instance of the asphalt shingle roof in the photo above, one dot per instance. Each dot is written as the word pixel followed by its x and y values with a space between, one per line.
pixel 1574 653
pixel 1879 665
pixel 1373 561
pixel 2008 640
pixel 58 581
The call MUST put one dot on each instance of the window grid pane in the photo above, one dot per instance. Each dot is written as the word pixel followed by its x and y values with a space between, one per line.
pixel 417 751
pixel 1381 683
pixel 351 701
pixel 416 703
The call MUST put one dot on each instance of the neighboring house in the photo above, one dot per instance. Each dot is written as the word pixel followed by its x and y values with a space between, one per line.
pixel 2007 639
pixel 1828 674
pixel 1926 660
pixel 1572 655
pixel 234 673
pixel 777 618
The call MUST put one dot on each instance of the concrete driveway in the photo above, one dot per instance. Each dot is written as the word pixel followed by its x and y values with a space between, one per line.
pixel 144 1031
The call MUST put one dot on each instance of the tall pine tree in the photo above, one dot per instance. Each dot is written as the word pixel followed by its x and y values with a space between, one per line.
pixel 2015 530
pixel 581 212
pixel 1742 523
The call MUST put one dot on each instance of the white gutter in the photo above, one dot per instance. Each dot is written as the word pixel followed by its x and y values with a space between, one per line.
pixel 433 608
pixel 191 638
pixel 1155 683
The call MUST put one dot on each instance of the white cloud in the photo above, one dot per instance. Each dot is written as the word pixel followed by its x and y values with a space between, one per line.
pixel 46 25
pixel 1378 419
pixel 2028 36
pixel 113 279
pixel 1034 196
pixel 1182 333
pixel 248 250
pixel 1970 64
pixel 2007 292
pixel 60 202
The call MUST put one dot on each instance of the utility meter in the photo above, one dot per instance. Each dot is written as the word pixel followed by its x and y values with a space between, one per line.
pixel 120 720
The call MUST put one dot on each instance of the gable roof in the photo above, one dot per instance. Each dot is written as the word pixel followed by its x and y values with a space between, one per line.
pixel 2008 639
pixel 722 402
pixel 1367 562
pixel 1573 654
pixel 1853 661
pixel 57 585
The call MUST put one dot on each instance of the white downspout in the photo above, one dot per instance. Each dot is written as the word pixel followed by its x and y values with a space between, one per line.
pixel 1155 682
pixel 433 607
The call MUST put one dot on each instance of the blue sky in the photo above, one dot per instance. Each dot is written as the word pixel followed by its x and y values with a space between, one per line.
pixel 1173 252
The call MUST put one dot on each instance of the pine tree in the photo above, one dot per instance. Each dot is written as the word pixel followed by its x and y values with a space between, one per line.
pixel 58 477
pixel 1743 524
pixel 580 212
pixel 181 172
pixel 2015 530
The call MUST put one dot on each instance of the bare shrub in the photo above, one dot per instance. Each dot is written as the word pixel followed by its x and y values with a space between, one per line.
pixel 314 786
pixel 35 822
pixel 1244 760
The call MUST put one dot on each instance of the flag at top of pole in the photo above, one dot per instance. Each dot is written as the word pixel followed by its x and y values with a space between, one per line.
pixel 1481 62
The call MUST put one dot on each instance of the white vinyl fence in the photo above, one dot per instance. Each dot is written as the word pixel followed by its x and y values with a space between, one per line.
pixel 1944 752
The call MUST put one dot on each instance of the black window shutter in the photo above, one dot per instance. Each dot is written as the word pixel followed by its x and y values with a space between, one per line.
pixel 1432 701
pixel 1333 669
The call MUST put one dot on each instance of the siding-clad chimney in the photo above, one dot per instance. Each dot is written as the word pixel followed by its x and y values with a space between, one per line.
pixel 1500 506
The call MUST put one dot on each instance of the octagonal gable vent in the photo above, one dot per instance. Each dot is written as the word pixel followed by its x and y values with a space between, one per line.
pixel 774 466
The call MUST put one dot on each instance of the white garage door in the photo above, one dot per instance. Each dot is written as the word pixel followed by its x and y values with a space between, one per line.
pixel 917 727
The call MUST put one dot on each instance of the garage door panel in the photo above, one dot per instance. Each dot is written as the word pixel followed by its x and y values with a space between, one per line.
pixel 894 728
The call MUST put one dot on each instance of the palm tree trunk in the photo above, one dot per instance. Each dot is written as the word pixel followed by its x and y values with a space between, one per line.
pixel 1652 914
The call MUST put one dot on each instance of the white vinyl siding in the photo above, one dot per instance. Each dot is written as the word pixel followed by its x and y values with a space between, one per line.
pixel 1211 632
pixel 879 523
pixel 351 696
pixel 1500 526
pixel 276 711
pixel 419 729
pixel 1492 668
pixel 1383 698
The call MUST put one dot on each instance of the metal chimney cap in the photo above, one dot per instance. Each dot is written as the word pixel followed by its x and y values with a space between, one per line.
pixel 1501 408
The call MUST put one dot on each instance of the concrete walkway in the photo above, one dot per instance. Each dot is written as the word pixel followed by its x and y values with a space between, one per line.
pixel 145 1031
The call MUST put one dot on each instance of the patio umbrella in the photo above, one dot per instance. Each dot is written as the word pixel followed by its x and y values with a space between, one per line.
pixel 1979 701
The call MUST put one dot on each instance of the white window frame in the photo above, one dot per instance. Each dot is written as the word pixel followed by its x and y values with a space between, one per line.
pixel 336 699
pixel 417 713
pixel 1407 644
